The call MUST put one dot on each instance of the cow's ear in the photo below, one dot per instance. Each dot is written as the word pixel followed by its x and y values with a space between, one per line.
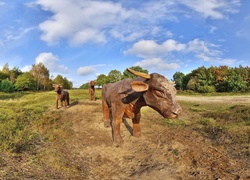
pixel 139 86
pixel 54 85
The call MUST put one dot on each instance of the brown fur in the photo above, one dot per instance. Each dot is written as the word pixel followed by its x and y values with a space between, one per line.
pixel 92 91
pixel 61 95
pixel 125 98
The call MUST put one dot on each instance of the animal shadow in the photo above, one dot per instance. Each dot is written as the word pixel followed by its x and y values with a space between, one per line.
pixel 127 125
pixel 73 103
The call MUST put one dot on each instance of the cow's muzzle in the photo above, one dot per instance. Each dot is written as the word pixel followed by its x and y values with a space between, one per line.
pixel 173 112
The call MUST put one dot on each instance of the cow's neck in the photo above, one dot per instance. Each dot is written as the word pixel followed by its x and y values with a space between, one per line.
pixel 59 91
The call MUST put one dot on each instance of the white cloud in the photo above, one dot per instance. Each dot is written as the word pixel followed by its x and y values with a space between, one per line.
pixel 86 70
pixel 78 21
pixel 216 9
pixel 81 22
pixel 155 56
pixel 50 61
pixel 212 29
pixel 26 68
pixel 150 48
pixel 157 64
pixel 10 35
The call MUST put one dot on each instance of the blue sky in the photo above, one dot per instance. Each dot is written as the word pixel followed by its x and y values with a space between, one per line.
pixel 80 39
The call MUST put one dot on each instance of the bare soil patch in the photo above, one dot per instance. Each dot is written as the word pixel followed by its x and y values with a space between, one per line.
pixel 162 152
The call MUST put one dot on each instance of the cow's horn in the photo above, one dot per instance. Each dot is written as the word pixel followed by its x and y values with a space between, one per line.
pixel 141 74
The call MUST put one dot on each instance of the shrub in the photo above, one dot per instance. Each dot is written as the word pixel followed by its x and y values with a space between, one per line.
pixel 206 89
pixel 6 86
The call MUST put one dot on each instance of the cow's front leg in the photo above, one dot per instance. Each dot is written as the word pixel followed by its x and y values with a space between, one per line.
pixel 56 103
pixel 136 125
pixel 116 124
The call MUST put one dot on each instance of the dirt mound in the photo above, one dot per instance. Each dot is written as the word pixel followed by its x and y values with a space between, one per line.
pixel 162 152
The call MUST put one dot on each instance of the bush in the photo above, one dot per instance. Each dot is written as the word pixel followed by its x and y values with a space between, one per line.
pixel 206 89
pixel 6 86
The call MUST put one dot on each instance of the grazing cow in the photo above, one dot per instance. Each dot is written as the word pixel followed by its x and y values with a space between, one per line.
pixel 92 90
pixel 61 95
pixel 124 99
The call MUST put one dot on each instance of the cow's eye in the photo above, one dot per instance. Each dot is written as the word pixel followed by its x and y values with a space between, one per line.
pixel 160 93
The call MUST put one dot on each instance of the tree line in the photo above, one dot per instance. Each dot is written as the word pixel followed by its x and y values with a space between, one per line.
pixel 214 79
pixel 202 79
pixel 114 76
pixel 38 78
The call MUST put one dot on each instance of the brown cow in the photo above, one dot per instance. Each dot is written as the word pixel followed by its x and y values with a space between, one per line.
pixel 92 90
pixel 61 95
pixel 124 99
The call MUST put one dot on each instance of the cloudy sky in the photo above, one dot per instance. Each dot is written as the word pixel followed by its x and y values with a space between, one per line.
pixel 80 39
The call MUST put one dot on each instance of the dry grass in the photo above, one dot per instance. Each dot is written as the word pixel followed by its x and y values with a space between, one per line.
pixel 209 140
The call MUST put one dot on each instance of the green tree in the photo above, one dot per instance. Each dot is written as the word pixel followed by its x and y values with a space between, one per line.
pixel 101 80
pixel 178 79
pixel 85 86
pixel 41 75
pixel 3 76
pixel 7 86
pixel 114 76
pixel 25 82
pixel 14 73
pixel 63 81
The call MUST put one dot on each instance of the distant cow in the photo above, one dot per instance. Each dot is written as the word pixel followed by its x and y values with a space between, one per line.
pixel 124 99
pixel 92 90
pixel 61 95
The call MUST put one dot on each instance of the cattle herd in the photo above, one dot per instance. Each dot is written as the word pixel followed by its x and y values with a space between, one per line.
pixel 125 98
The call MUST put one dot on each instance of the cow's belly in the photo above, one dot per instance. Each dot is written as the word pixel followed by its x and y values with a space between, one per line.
pixel 129 113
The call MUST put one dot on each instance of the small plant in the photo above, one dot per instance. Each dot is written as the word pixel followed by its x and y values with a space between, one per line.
pixel 176 152
pixel 178 122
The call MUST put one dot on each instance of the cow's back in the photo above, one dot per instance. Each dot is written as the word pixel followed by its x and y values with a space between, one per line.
pixel 113 92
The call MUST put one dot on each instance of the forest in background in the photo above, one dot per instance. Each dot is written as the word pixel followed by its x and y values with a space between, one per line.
pixel 38 78
pixel 201 80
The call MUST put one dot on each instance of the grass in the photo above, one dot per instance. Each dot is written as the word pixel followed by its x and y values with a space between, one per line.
pixel 29 123
pixel 225 124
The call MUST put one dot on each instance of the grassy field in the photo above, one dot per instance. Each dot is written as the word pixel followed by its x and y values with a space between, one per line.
pixel 31 128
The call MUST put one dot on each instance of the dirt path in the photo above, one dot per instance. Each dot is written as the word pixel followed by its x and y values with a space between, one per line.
pixel 161 152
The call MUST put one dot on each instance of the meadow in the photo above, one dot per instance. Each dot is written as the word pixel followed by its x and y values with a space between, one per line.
pixel 211 139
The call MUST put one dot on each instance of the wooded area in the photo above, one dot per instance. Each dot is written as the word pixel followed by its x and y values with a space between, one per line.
pixel 38 78
pixel 202 79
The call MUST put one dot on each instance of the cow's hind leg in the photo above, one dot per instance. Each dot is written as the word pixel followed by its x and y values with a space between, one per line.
pixel 106 114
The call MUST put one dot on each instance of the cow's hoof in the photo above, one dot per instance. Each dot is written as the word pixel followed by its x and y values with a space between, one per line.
pixel 118 142
pixel 137 134
pixel 107 124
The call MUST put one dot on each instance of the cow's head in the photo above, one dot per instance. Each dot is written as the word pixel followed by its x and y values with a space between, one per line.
pixel 158 93
pixel 57 87
pixel 92 83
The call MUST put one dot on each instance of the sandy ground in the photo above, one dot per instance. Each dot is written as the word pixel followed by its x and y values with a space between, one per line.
pixel 161 153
